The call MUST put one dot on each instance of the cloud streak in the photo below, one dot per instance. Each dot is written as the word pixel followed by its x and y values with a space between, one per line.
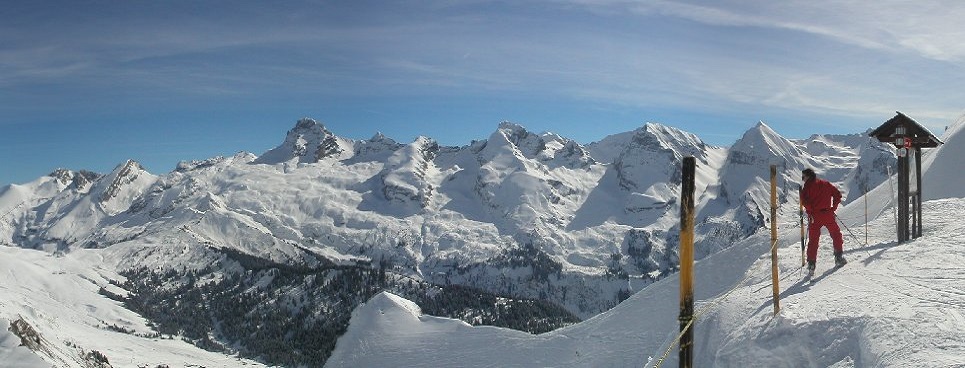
pixel 851 62
pixel 930 28
pixel 874 55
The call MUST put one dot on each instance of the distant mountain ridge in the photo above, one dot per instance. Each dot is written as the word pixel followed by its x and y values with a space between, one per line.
pixel 449 205
pixel 521 214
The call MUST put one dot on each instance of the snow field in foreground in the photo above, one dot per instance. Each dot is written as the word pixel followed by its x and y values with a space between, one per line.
pixel 893 305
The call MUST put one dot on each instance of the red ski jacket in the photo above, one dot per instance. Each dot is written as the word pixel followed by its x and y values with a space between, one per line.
pixel 819 195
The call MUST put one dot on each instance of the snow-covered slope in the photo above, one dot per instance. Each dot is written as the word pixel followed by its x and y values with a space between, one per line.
pixel 891 306
pixel 67 208
pixel 943 165
pixel 55 306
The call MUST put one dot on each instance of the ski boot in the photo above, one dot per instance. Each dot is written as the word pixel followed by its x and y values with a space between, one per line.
pixel 839 260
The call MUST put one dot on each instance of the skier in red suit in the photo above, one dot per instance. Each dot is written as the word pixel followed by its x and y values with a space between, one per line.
pixel 820 199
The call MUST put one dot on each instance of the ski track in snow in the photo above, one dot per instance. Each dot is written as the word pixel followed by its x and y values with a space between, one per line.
pixel 892 305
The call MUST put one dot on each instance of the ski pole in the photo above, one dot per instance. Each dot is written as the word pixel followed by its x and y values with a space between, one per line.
pixel 852 234
pixel 846 228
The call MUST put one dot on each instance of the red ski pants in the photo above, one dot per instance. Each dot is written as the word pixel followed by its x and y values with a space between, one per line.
pixel 819 220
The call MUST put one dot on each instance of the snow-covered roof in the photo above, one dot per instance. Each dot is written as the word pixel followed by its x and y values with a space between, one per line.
pixel 920 135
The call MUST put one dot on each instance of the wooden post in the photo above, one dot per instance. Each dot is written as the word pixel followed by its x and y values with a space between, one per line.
pixel 918 196
pixel 774 276
pixel 903 198
pixel 909 138
pixel 914 216
pixel 866 212
pixel 800 214
pixel 687 262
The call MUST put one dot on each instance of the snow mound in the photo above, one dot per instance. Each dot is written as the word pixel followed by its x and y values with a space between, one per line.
pixel 942 168
pixel 388 308
pixel 408 329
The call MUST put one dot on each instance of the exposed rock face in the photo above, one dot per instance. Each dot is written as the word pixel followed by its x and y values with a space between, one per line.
pixel 308 142
pixel 79 180
pixel 124 174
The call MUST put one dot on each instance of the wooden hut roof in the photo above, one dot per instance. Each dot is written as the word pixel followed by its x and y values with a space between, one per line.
pixel 920 136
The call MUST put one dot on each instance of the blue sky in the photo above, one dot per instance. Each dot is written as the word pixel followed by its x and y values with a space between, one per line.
pixel 89 84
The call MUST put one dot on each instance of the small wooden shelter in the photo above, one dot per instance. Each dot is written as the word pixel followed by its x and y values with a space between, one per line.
pixel 909 138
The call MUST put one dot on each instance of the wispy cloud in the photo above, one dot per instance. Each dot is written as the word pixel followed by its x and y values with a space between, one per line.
pixel 840 57
pixel 932 28
pixel 873 57
pixel 417 62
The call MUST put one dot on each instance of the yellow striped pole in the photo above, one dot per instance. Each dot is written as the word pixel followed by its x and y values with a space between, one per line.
pixel 774 276
pixel 687 188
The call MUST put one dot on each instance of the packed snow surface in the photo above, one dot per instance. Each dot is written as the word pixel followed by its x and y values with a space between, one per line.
pixel 893 305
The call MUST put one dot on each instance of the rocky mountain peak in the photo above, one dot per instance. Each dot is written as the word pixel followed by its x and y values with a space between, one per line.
pixel 63 176
pixel 308 142
pixel 512 128
pixel 653 154
pixel 681 143
pixel 379 137
pixel 528 143
pixel 124 173
pixel 308 124
pixel 761 145
pixel 77 180
pixel 376 148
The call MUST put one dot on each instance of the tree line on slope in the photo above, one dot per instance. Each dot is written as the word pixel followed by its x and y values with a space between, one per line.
pixel 291 315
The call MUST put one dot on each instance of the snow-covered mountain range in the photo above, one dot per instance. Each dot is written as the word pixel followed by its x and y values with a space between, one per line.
pixel 892 305
pixel 520 214
pixel 443 214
